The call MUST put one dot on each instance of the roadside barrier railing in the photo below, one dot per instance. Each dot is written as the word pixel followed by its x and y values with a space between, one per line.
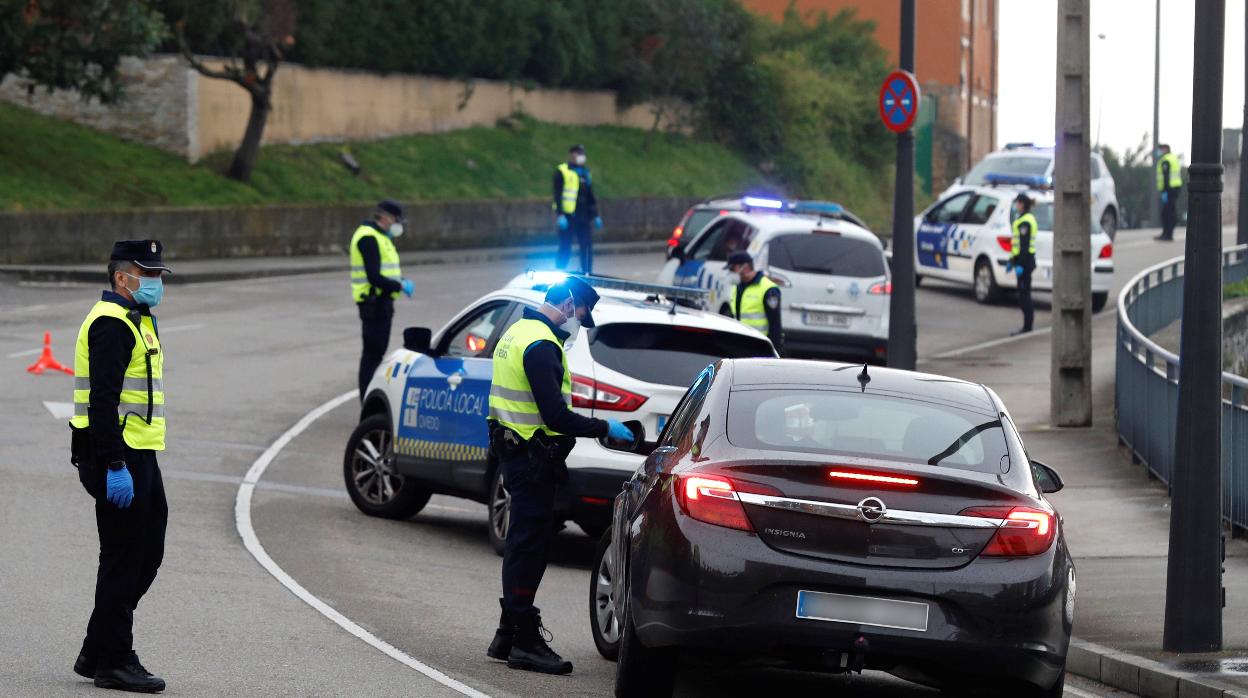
pixel 1146 382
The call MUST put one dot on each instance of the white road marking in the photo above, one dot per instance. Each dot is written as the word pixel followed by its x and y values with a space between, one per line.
pixel 1109 310
pixel 180 328
pixel 1078 693
pixel 242 518
pixel 60 410
pixel 28 352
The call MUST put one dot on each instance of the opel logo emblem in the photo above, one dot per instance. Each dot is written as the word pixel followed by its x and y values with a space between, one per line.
pixel 872 509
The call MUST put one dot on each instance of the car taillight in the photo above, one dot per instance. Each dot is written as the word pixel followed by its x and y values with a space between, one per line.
pixel 883 288
pixel 475 343
pixel 779 279
pixel 594 395
pixel 1024 531
pixel 712 500
pixel 873 478
pixel 1005 243
pixel 1107 251
pixel 675 238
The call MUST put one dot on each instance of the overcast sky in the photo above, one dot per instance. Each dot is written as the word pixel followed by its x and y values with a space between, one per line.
pixel 1122 71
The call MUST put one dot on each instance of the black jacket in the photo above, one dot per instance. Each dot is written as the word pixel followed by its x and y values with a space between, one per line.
pixel 771 306
pixel 586 202
pixel 110 343
pixel 372 264
pixel 543 365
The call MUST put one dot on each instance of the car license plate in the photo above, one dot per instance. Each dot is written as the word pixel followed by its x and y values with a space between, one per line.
pixel 862 610
pixel 826 319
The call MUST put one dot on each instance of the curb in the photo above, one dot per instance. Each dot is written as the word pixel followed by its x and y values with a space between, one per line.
pixel 1141 676
pixel 292 266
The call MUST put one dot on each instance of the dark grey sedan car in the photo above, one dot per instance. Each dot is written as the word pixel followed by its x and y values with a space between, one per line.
pixel 833 517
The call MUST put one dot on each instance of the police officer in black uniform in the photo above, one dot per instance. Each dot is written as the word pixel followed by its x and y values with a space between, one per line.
pixel 1023 257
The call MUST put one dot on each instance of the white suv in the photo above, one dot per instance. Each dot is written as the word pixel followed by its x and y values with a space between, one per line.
pixel 422 428
pixel 1032 166
pixel 833 274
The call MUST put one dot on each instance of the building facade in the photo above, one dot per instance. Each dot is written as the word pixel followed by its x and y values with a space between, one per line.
pixel 955 64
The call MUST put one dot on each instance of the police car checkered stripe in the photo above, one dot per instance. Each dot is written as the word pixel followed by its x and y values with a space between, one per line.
pixel 439 450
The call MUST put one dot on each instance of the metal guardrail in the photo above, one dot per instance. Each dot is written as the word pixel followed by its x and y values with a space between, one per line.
pixel 1147 381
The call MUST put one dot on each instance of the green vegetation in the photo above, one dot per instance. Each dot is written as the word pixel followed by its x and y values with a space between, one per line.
pixel 49 164
pixel 1239 289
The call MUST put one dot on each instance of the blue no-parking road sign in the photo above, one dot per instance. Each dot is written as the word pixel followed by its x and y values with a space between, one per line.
pixel 899 101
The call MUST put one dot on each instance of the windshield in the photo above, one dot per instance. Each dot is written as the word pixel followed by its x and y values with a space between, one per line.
pixel 821 253
pixel 1023 165
pixel 839 423
pixel 666 354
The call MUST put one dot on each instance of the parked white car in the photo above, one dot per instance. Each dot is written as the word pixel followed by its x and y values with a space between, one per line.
pixel 965 237
pixel 422 428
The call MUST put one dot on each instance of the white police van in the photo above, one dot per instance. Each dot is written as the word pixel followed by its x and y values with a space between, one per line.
pixel 965 237
pixel 422 428
pixel 833 275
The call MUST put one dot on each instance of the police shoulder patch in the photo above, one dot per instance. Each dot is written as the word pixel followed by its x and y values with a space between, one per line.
pixel 772 299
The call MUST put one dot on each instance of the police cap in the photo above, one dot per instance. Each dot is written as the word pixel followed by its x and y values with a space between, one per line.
pixel 391 207
pixel 144 253
pixel 741 257
pixel 581 293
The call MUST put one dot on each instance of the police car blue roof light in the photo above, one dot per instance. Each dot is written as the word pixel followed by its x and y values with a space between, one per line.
pixel 760 202
pixel 1038 181
pixel 545 277
pixel 818 207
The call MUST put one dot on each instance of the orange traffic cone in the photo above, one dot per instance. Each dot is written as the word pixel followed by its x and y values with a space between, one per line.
pixel 46 361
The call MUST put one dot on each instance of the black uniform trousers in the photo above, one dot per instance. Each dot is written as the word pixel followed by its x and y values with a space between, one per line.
pixel 529 536
pixel 376 315
pixel 582 229
pixel 1170 213
pixel 132 546
pixel 1024 297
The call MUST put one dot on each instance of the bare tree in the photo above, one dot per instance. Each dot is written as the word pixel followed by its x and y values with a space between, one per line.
pixel 263 30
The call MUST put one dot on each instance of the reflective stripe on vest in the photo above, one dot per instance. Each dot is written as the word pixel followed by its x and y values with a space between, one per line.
pixel 751 310
pixel 511 397
pixel 1176 172
pixel 360 288
pixel 571 186
pixel 1016 243
pixel 135 399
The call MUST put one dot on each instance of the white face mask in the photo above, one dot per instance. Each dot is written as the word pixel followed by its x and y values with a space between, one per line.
pixel 579 160
pixel 396 230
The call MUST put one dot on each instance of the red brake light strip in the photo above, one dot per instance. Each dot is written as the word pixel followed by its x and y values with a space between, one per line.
pixel 873 477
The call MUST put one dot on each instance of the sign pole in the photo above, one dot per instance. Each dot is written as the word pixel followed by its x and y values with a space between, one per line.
pixel 902 342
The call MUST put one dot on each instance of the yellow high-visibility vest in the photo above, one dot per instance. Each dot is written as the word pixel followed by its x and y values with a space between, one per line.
pixel 142 388
pixel 1176 172
pixel 750 310
pixel 511 397
pixel 1016 243
pixel 571 185
pixel 360 288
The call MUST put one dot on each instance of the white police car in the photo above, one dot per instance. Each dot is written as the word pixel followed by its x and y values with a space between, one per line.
pixel 965 237
pixel 833 274
pixel 422 427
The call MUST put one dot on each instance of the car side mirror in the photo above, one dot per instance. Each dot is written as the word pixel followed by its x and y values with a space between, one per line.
pixel 417 339
pixel 638 445
pixel 1047 478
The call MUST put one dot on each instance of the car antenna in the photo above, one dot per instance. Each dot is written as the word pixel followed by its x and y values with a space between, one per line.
pixel 672 310
pixel 864 378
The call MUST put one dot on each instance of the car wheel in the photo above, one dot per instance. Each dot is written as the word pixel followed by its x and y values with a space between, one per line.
pixel 1098 301
pixel 604 624
pixel 500 512
pixel 1109 222
pixel 368 470
pixel 642 672
pixel 986 288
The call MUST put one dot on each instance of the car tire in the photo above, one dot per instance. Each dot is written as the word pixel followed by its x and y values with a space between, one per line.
pixel 986 288
pixel 368 471
pixel 1098 301
pixel 642 672
pixel 1109 222
pixel 499 503
pixel 604 624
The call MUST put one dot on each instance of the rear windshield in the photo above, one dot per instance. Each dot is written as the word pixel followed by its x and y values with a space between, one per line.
pixel 697 221
pixel 816 253
pixel 869 426
pixel 1022 165
pixel 668 355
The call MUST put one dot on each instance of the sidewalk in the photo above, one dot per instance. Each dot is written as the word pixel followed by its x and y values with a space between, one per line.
pixel 1117 525
pixel 201 270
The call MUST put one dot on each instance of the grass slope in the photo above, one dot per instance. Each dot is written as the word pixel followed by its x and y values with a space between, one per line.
pixel 50 164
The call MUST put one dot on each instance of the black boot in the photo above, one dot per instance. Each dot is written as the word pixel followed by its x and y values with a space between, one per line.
pixel 500 646
pixel 130 677
pixel 529 650
pixel 84 666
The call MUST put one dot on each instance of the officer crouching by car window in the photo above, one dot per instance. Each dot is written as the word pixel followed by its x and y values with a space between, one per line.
pixel 532 430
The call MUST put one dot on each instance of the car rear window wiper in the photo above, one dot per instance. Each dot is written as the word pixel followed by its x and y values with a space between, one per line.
pixel 963 440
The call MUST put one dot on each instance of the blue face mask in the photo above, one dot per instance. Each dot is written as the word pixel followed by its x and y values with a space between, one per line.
pixel 150 290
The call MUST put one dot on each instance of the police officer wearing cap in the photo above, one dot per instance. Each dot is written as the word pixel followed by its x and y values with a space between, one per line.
pixel 758 299
pixel 117 428
pixel 376 280
pixel 576 209
pixel 532 430
pixel 1023 257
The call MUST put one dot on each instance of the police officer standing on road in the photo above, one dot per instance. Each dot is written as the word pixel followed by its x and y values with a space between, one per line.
pixel 758 299
pixel 1169 184
pixel 531 433
pixel 376 281
pixel 1023 257
pixel 576 209
pixel 118 426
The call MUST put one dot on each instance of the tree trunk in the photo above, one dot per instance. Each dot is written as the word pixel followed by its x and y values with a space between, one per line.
pixel 249 150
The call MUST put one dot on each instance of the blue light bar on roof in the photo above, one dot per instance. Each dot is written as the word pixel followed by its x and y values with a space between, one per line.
pixel 545 278
pixel 760 202
pixel 817 207
pixel 1038 181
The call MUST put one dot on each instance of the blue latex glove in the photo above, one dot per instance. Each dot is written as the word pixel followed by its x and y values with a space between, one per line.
pixel 1009 266
pixel 1018 270
pixel 616 431
pixel 598 222
pixel 409 287
pixel 1165 197
pixel 562 222
pixel 119 488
